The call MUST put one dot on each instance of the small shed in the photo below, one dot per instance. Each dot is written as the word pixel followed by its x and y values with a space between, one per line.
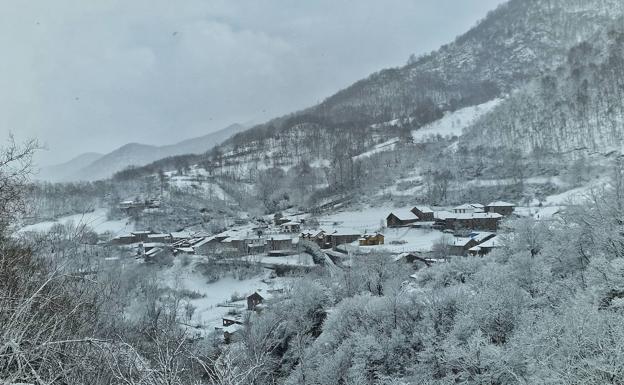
pixel 253 301
pixel 372 240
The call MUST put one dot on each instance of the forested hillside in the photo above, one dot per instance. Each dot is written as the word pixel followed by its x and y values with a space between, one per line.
pixel 578 106
pixel 512 45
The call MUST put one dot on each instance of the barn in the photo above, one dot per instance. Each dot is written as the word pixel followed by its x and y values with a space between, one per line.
pixel 503 208
pixel 401 218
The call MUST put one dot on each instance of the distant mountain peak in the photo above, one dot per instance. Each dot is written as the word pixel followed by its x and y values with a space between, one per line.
pixel 92 166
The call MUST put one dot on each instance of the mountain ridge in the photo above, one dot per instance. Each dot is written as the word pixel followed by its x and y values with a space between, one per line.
pixel 90 168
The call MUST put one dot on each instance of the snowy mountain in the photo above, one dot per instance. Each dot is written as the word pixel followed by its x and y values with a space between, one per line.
pixel 513 45
pixel 374 131
pixel 577 107
pixel 133 154
pixel 65 171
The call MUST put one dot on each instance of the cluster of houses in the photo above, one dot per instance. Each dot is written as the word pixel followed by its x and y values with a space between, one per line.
pixel 470 216
pixel 332 239
pixel 474 226
pixel 149 243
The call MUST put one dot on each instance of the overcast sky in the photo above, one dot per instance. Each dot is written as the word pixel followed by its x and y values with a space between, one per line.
pixel 92 75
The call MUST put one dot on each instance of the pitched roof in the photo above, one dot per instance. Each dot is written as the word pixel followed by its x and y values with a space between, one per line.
pixel 462 242
pixel 403 214
pixel 467 216
pixel 154 251
pixel 144 232
pixel 481 236
pixel 465 206
pixel 424 209
pixel 181 234
pixel 204 241
pixel 444 215
pixel 343 232
pixel 158 235
pixel 492 243
pixel 501 204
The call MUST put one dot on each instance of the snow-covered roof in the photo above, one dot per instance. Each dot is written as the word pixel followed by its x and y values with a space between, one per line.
pixel 291 224
pixel 158 235
pixel 280 237
pixel 154 251
pixel 124 236
pixel 345 233
pixel 403 214
pixel 501 204
pixel 144 232
pixel 204 241
pixel 181 234
pixel 371 235
pixel 492 243
pixel 461 241
pixel 444 215
pixel 466 216
pixel 424 209
pixel 481 236
pixel 152 244
pixel 465 206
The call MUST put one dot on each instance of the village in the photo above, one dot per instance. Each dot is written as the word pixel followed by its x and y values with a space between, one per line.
pixel 297 242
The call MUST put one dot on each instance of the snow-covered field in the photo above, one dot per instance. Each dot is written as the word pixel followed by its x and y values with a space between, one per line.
pixel 385 146
pixel 405 240
pixel 208 313
pixel 97 220
pixel 371 219
pixel 366 219
pixel 453 124
pixel 291 260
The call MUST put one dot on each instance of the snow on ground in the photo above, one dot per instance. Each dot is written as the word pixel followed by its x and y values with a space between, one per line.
pixel 212 190
pixel 404 240
pixel 208 313
pixel 381 147
pixel 535 212
pixel 97 220
pixel 555 180
pixel 573 196
pixel 370 219
pixel 367 219
pixel 291 260
pixel 453 123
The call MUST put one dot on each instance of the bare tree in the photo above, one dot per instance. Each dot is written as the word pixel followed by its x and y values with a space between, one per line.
pixel 15 170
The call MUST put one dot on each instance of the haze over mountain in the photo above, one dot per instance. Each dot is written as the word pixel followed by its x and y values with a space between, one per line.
pixel 89 167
